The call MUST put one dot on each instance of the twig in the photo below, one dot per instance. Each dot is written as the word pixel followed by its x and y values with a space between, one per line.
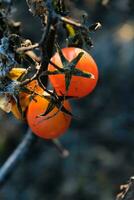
pixel 72 22
pixel 127 191
pixel 23 49
pixel 21 151
pixel 47 41
pixel 63 152
pixel 18 154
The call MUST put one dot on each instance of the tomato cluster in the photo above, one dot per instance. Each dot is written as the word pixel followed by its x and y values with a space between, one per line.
pixel 73 73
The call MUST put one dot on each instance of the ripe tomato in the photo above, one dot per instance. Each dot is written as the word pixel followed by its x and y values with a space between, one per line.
pixel 52 127
pixel 79 85
pixel 24 98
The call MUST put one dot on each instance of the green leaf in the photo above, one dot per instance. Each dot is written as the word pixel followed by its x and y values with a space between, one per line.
pixel 78 72
pixel 66 97
pixel 68 77
pixel 53 72
pixel 62 57
pixel 50 107
pixel 70 30
pixel 76 60
pixel 64 110
pixel 56 67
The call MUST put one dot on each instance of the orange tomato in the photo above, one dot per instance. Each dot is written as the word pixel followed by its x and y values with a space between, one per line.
pixel 53 125
pixel 24 98
pixel 79 86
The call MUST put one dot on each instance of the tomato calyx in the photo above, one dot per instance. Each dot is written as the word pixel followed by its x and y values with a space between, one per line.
pixel 54 101
pixel 16 86
pixel 51 96
pixel 69 68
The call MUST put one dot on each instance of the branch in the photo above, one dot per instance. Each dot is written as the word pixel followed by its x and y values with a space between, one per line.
pixel 63 152
pixel 31 47
pixel 74 23
pixel 18 154
pixel 127 192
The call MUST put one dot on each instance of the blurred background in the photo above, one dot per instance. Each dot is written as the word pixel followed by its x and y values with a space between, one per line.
pixel 101 141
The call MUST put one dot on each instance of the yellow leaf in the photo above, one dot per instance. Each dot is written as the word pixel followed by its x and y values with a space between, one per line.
pixel 15 73
pixel 71 30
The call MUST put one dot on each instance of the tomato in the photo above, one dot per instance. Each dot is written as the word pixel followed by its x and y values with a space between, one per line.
pixel 79 85
pixel 24 98
pixel 34 86
pixel 53 125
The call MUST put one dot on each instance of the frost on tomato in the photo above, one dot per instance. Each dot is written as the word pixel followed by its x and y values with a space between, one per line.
pixel 79 86
pixel 52 125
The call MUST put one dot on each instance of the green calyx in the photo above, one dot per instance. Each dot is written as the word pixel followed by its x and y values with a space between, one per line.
pixel 68 68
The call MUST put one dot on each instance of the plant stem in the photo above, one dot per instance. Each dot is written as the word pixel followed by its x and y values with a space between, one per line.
pixel 18 155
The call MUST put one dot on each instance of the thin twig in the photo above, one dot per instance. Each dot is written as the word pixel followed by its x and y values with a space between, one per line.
pixel 127 191
pixel 63 152
pixel 71 22
pixel 74 23
pixel 18 155
pixel 31 47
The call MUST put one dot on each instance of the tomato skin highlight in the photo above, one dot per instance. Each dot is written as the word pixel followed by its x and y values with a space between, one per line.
pixel 79 86
pixel 45 128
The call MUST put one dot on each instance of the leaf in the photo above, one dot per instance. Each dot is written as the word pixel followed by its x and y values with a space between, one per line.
pixel 50 107
pixel 56 67
pixel 15 73
pixel 62 57
pixel 76 60
pixel 78 72
pixel 63 109
pixel 70 30
pixel 53 72
pixel 55 101
pixel 68 77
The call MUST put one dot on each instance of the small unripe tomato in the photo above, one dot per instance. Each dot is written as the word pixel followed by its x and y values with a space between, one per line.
pixel 52 125
pixel 79 85
pixel 24 98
